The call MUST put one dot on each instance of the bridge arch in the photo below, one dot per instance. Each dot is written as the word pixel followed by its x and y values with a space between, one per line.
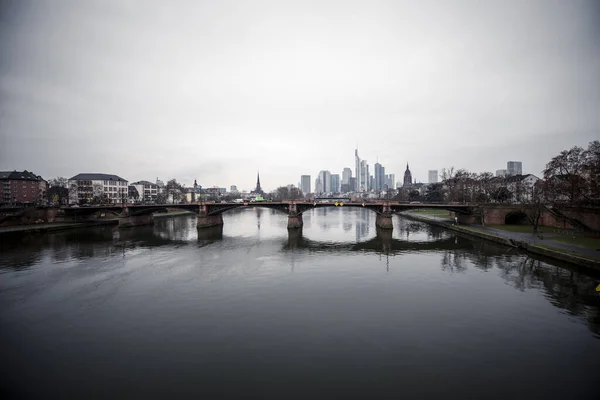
pixel 376 208
pixel 216 209
pixel 516 218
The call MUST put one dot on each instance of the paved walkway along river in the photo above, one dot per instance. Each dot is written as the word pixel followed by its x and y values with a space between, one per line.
pixel 544 239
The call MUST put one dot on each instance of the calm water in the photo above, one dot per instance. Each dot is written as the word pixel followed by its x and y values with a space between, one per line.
pixel 338 312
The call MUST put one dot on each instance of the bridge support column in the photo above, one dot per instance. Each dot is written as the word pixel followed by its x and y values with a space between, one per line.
pixel 295 221
pixel 208 221
pixel 136 220
pixel 294 238
pixel 384 221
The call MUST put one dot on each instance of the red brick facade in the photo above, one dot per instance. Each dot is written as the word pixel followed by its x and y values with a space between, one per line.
pixel 21 188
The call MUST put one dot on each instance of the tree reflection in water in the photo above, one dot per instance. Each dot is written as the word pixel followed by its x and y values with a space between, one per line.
pixel 567 287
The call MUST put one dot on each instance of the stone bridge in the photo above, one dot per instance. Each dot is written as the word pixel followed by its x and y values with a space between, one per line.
pixel 209 213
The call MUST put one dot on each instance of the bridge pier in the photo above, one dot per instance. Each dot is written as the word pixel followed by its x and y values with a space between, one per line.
pixel 208 221
pixel 294 238
pixel 211 234
pixel 136 220
pixel 295 221
pixel 384 221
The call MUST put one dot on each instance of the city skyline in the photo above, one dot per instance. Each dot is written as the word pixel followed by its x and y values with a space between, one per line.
pixel 214 92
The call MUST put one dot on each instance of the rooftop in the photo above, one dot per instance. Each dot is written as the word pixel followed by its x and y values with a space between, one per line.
pixel 143 183
pixel 96 177
pixel 20 176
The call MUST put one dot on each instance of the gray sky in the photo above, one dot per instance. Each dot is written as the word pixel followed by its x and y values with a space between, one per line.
pixel 216 90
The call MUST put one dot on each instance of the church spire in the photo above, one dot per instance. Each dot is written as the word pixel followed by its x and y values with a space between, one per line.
pixel 258 189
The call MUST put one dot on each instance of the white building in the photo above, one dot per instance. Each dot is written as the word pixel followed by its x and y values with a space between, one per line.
pixel 147 191
pixel 87 187
pixel 500 172
pixel 432 176
pixel 521 187
pixel 233 189
pixel 514 168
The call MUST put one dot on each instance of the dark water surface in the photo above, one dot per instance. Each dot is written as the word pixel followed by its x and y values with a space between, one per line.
pixel 250 312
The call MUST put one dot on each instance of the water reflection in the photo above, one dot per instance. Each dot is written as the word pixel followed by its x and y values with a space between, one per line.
pixel 325 233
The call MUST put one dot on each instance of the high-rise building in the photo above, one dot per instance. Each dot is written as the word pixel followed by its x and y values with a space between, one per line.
pixel 318 186
pixel 501 172
pixel 514 168
pixel 380 177
pixel 305 184
pixel 358 170
pixel 407 177
pixel 364 176
pixel 433 176
pixel 352 184
pixel 346 175
pixel 371 183
pixel 325 179
pixel 335 183
pixel 391 181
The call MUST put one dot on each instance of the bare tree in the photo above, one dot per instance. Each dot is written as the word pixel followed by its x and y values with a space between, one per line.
pixel 533 206
pixel 565 174
pixel 592 171
pixel 174 190
pixel 59 181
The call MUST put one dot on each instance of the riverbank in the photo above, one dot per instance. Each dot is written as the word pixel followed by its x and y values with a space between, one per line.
pixel 54 227
pixel 61 226
pixel 544 245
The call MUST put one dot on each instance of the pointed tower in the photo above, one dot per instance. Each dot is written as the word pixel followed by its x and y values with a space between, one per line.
pixel 407 177
pixel 258 188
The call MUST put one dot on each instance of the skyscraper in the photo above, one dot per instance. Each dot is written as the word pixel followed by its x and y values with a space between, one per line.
pixel 433 176
pixel 335 183
pixel 352 185
pixel 346 175
pixel 391 182
pixel 364 176
pixel 318 186
pixel 380 180
pixel 325 179
pixel 357 170
pixel 514 168
pixel 305 184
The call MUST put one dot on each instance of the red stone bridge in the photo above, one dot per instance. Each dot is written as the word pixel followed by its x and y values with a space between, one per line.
pixel 211 214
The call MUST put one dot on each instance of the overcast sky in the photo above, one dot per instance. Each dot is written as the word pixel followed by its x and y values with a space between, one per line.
pixel 216 90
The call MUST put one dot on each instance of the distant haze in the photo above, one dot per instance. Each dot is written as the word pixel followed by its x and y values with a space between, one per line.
pixel 216 90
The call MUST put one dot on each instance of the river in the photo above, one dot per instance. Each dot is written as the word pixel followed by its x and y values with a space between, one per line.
pixel 340 311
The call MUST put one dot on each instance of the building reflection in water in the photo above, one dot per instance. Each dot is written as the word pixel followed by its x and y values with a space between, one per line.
pixel 362 220
pixel 259 212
